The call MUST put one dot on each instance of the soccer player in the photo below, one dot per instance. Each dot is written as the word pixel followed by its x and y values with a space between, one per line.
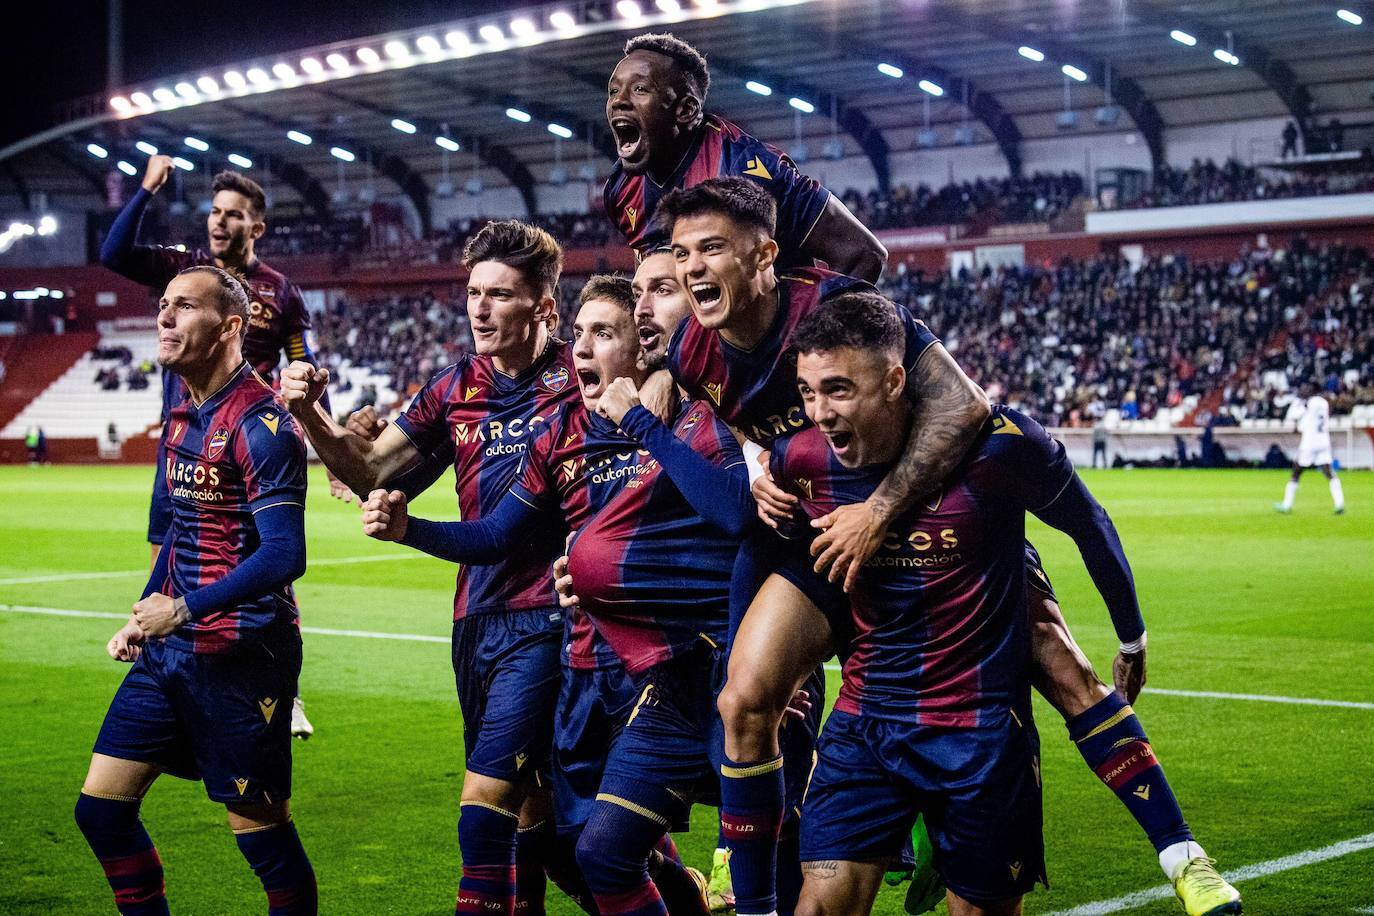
pixel 934 715
pixel 214 639
pixel 656 513
pixel 1312 414
pixel 507 624
pixel 277 322
pixel 656 107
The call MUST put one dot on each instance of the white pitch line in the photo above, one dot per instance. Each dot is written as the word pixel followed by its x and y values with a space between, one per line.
pixel 1258 870
pixel 74 577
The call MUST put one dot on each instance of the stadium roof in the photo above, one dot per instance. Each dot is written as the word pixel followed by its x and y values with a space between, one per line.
pixel 521 95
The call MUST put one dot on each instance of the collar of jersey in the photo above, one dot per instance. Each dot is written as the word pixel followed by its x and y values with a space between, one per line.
pixel 675 176
pixel 540 363
pixel 219 392
pixel 774 329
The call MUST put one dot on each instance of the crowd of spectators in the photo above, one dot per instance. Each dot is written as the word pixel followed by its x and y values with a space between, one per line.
pixel 1036 198
pixel 134 377
pixel 1206 182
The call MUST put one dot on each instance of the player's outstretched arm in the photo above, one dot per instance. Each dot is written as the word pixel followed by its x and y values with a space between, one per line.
pixel 118 252
pixel 844 243
pixel 486 540
pixel 949 410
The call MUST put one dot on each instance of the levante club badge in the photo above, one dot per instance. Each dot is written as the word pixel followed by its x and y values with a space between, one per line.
pixel 556 379
pixel 217 443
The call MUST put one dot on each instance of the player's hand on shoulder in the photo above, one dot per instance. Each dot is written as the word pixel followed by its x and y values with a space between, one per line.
pixel 365 423
pixel 385 515
pixel 158 171
pixel 774 503
pixel 563 584
pixel 302 385
pixel 849 536
pixel 658 394
pixel 157 615
pixel 620 395
pixel 127 644
pixel 1128 674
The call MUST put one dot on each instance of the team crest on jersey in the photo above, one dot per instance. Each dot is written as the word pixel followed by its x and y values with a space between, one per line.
pixel 691 421
pixel 633 214
pixel 555 379
pixel 217 443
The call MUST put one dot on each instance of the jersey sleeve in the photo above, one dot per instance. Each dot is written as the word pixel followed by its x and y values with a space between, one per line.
pixel 534 485
pixel 425 421
pixel 152 265
pixel 713 440
pixel 296 326
pixel 271 453
pixel 1037 468
pixel 919 338
pixel 801 198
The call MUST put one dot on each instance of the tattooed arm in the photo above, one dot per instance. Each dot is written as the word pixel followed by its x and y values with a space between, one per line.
pixel 949 410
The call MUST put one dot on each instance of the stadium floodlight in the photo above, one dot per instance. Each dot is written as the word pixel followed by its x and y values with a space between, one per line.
pixel 298 137
pixel 47 225
pixel 234 79
pixel 1030 53
pixel 670 7
pixel 242 162
pixel 629 9
pixel 521 27
pixel 403 126
pixel 312 66
pixel 120 104
pixel 396 50
pixel 183 164
pixel 141 99
pixel 146 148
pixel 558 130
pixel 284 71
pixel 126 168
pixel 562 20
pixel 164 95
pixel 1183 37
pixel 186 90
pixel 758 88
pixel 801 105
pixel 338 152
pixel 54 293
pixel 708 4
pixel 448 144
pixel 208 85
pixel 197 143
pixel 1074 73
pixel 1351 17
pixel 457 39
pixel 98 151
pixel 368 56
pixel 428 44
pixel 889 70
pixel 515 114
pixel 492 33
pixel 930 88
pixel 259 77
pixel 1226 57
pixel 338 62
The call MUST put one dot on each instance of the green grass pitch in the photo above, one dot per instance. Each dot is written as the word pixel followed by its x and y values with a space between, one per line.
pixel 1238 600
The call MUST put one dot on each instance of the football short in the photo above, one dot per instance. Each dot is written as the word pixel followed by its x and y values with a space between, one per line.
pixel 222 718
pixel 1036 577
pixel 593 705
pixel 506 668
pixel 670 751
pixel 764 553
pixel 1314 456
pixel 160 506
pixel 979 789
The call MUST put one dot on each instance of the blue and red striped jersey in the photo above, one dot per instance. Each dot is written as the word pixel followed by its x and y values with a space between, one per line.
pixel 941 633
pixel 755 390
pixel 650 572
pixel 489 418
pixel 721 149
pixel 237 453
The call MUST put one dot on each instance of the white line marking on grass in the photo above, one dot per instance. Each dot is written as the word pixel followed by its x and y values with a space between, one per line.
pixel 1258 870
pixel 319 631
pixel 75 577
pixel 1259 697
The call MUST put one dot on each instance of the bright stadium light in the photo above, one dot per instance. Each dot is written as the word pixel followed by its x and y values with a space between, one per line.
pixel 801 105
pixel 298 137
pixel 629 9
pixel 338 62
pixel 47 225
pixel 368 56
pixel 1183 37
pixel 284 71
pixel 1225 56
pixel 515 114
pixel 53 293
pixel 126 168
pixel 208 85
pixel 338 152
pixel 146 148
pixel 242 162
pixel 141 99
pixel 888 70
pixel 708 4
pixel 521 27
pixel 96 150
pixel 186 90
pixel 183 164
pixel 164 95
pixel 558 130
pixel 562 20
pixel 120 104
pixel 669 6
pixel 445 143
pixel 757 87
pixel 1350 17
pixel 258 76
pixel 1030 53
pixel 492 33
pixel 404 127
pixel 1074 73
pixel 931 88
pixel 312 66
pixel 234 79
pixel 396 50
pixel 197 143
pixel 428 44
pixel 457 40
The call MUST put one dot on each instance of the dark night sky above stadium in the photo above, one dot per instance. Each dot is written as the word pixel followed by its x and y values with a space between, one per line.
pixel 59 52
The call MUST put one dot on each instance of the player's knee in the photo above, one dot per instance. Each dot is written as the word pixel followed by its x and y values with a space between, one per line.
pixel 747 703
pixel 96 817
pixel 604 861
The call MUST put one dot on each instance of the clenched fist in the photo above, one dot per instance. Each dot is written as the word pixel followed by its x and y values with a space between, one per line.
pixel 159 170
pixel 302 385
pixel 385 516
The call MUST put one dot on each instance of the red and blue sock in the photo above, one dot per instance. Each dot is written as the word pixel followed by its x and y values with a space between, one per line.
pixel 752 797
pixel 280 862
pixel 486 840
pixel 125 851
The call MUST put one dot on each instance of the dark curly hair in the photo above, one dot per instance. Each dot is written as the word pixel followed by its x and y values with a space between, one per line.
pixel 741 199
pixel 862 319
pixel 688 61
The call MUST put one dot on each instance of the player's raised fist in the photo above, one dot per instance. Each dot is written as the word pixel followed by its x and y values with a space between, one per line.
pixel 127 644
pixel 385 515
pixel 620 395
pixel 365 423
pixel 159 170
pixel 302 385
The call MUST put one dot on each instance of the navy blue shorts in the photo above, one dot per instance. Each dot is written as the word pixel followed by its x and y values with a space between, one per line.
pixel 979 789
pixel 764 553
pixel 669 752
pixel 224 719
pixel 593 705
pixel 160 507
pixel 1036 577
pixel 506 667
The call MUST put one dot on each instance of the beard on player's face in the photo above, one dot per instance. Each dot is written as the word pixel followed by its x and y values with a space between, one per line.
pixel 230 227
pixel 660 306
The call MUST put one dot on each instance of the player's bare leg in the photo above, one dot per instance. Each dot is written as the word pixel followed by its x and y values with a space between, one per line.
pixel 268 840
pixel 958 906
pixel 1060 671
pixel 107 814
pixel 839 888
